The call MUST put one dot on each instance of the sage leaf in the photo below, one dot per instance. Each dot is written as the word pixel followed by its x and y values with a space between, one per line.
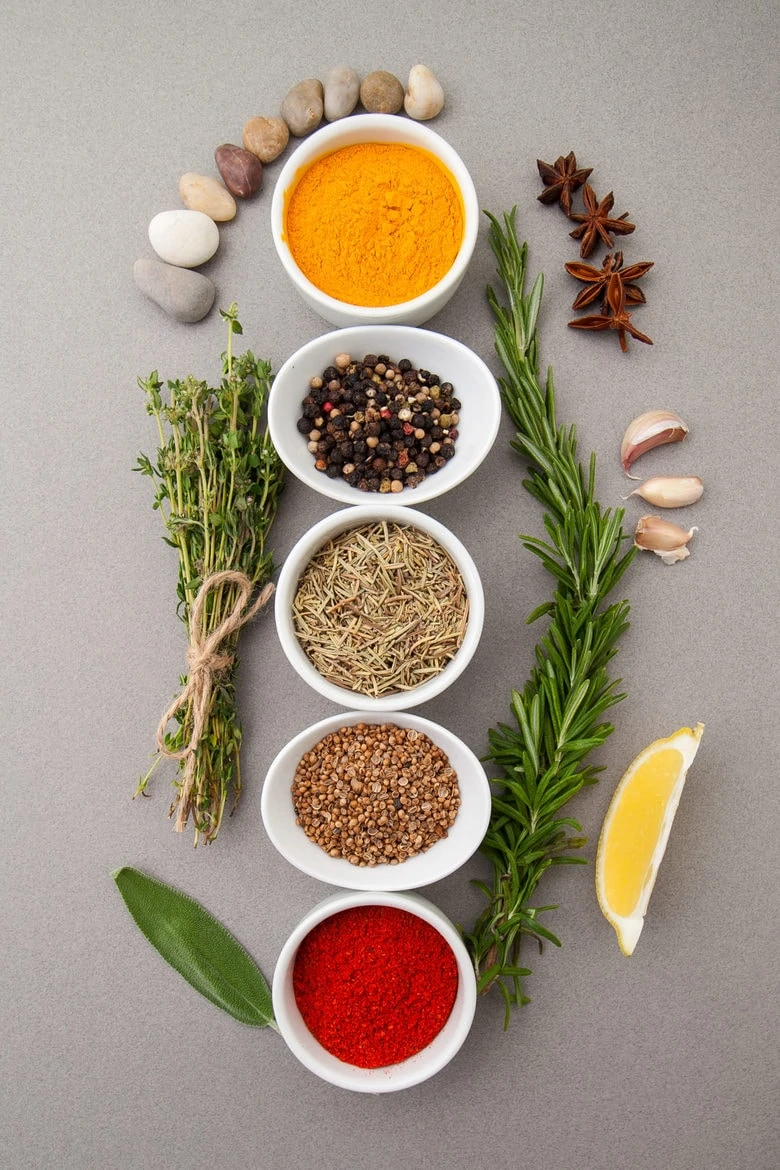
pixel 198 947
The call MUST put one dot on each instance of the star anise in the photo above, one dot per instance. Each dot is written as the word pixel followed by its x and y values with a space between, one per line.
pixel 616 317
pixel 561 180
pixel 596 279
pixel 596 222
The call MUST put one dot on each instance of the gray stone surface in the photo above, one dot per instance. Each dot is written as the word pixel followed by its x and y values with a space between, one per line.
pixel 108 1060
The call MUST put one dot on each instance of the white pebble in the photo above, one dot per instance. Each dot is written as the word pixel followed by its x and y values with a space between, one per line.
pixel 184 238
pixel 424 96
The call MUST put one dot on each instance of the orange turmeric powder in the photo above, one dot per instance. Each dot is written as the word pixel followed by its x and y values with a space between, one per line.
pixel 375 224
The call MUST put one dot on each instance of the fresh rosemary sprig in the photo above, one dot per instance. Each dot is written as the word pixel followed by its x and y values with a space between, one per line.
pixel 217 484
pixel 558 716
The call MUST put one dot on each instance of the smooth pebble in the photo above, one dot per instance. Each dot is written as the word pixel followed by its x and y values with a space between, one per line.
pixel 185 238
pixel 182 293
pixel 266 137
pixel 303 107
pixel 424 96
pixel 241 171
pixel 381 93
pixel 206 194
pixel 342 90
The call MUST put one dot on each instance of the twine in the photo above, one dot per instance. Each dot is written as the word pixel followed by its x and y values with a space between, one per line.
pixel 206 660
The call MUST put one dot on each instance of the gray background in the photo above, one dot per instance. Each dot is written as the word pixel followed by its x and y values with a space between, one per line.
pixel 108 1059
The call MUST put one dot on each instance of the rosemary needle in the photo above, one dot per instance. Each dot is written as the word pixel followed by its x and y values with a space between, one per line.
pixel 558 716
pixel 380 608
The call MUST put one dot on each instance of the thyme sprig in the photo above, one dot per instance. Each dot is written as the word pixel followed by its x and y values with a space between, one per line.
pixel 558 716
pixel 217 480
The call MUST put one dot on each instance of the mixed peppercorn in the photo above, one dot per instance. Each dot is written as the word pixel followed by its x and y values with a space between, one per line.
pixel 380 425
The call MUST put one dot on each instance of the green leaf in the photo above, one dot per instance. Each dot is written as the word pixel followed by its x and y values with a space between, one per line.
pixel 198 947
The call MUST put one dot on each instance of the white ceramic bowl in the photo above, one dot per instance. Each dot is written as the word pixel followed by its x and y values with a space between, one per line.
pixel 391 1078
pixel 473 383
pixel 443 858
pixel 349 132
pixel 312 541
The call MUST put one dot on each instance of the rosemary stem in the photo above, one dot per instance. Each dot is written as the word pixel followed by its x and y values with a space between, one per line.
pixel 541 761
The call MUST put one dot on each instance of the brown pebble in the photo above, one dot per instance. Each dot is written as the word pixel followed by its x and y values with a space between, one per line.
pixel 206 194
pixel 381 93
pixel 266 137
pixel 241 171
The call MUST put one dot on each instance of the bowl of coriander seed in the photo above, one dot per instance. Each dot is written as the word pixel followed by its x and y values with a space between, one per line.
pixel 369 803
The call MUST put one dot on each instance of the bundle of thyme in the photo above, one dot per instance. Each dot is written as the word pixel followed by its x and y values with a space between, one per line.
pixel 558 716
pixel 217 483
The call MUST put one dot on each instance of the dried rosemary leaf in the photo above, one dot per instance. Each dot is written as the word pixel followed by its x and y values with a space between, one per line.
pixel 381 608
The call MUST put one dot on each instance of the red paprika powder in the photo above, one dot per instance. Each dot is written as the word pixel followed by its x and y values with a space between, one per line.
pixel 374 984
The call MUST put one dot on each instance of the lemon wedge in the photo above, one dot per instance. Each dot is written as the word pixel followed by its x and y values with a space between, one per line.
pixel 636 829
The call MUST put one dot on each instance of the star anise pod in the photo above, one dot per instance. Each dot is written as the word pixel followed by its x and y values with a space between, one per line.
pixel 616 317
pixel 561 180
pixel 596 222
pixel 596 279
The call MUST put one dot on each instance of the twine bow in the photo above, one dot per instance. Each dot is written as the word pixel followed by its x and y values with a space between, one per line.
pixel 206 660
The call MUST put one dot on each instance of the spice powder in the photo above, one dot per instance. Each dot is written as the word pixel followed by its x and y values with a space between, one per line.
pixel 374 984
pixel 375 224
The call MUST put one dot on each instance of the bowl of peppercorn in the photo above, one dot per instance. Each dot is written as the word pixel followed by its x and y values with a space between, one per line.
pixel 379 608
pixel 374 992
pixel 375 220
pixel 367 803
pixel 383 409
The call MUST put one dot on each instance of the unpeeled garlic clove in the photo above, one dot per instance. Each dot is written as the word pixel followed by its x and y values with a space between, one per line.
pixel 668 541
pixel 670 491
pixel 651 429
pixel 424 97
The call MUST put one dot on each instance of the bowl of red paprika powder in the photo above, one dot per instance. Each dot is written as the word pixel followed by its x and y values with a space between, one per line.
pixel 374 992
pixel 375 219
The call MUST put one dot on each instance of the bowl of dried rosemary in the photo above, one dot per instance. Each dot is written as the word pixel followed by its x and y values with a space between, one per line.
pixel 379 607
pixel 383 409
pixel 367 803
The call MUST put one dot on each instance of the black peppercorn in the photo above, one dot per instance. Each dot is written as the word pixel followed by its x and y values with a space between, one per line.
pixel 372 423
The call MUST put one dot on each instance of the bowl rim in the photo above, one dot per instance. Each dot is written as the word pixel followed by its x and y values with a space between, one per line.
pixel 354 516
pixel 362 128
pixel 415 872
pixel 298 459
pixel 389 1078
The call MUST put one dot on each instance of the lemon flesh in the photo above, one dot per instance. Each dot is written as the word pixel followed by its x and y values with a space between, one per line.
pixel 636 830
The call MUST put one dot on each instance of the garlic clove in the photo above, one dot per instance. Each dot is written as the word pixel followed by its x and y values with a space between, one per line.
pixel 670 491
pixel 666 540
pixel 651 429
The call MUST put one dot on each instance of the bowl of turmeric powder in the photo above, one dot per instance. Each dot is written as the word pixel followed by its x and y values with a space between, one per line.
pixel 375 220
